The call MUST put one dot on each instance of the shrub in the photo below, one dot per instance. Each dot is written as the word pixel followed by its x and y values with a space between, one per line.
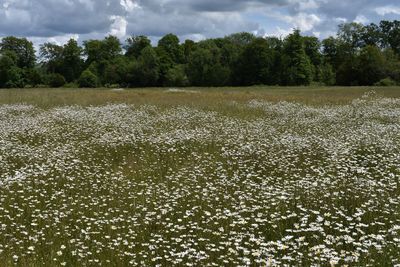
pixel 71 85
pixel 88 80
pixel 386 82
pixel 112 86
pixel 41 86
pixel 55 80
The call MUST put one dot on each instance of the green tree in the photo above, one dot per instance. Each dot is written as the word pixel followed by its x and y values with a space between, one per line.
pixel 135 44
pixel 204 66
pixel 176 76
pixel 102 50
pixel 392 64
pixel 51 57
pixel 255 64
pixel 326 74
pixel 145 71
pixel 22 48
pixel 170 44
pixel 11 76
pixel 371 66
pixel 72 62
pixel 116 71
pixel 188 47
pixel 297 68
pixel 55 80
pixel 390 31
pixel 33 77
pixel 88 80
pixel 372 35
pixel 351 34
pixel 241 39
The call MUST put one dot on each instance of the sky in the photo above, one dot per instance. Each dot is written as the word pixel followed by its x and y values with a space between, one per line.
pixel 59 20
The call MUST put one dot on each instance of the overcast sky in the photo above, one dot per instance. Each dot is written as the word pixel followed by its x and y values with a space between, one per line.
pixel 59 20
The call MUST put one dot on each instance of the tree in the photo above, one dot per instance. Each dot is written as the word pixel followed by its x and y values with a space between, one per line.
pixel 72 62
pixel 204 67
pixel 33 77
pixel 312 47
pixel 51 57
pixel 372 35
pixel 241 39
pixel 297 68
pixel 145 72
pixel 88 80
pixel 351 34
pixel 11 76
pixel 326 74
pixel 371 66
pixel 116 71
pixel 391 34
pixel 170 44
pixel 392 64
pixel 176 76
pixel 22 48
pixel 255 64
pixel 100 50
pixel 55 80
pixel 135 45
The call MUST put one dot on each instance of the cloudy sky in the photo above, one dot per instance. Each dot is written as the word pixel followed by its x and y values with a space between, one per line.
pixel 59 20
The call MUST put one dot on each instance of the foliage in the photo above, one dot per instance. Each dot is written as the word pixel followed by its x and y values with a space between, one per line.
pixel 386 82
pixel 255 64
pixel 358 55
pixel 135 45
pixel 22 48
pixel 88 79
pixel 297 68
pixel 55 80
pixel 176 76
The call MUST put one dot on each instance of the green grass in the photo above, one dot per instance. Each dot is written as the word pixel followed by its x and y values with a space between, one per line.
pixel 254 176
pixel 208 97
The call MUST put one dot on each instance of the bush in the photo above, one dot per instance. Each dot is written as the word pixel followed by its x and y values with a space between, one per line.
pixel 386 82
pixel 55 80
pixel 87 80
pixel 71 85
pixel 41 86
pixel 327 75
pixel 112 86
pixel 176 76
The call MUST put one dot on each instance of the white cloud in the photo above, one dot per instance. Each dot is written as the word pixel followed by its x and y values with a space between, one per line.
pixel 118 26
pixel 385 10
pixel 361 19
pixel 303 21
pixel 129 5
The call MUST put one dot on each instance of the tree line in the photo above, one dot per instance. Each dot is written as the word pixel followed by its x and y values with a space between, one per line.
pixel 358 55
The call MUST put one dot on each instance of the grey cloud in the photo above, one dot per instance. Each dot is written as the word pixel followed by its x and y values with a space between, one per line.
pixel 207 18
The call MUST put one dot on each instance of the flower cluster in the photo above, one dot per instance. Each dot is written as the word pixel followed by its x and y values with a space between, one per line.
pixel 123 185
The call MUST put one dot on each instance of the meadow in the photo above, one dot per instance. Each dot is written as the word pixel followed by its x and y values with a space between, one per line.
pixel 257 176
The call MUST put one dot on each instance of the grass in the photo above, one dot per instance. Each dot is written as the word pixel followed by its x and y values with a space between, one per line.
pixel 260 176
pixel 209 96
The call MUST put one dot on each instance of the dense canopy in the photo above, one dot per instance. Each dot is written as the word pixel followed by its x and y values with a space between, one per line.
pixel 358 55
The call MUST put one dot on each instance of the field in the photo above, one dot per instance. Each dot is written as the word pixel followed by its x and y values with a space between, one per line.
pixel 200 177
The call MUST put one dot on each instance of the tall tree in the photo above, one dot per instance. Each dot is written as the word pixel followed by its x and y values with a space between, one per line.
pixel 72 62
pixel 170 44
pixel 371 66
pixel 255 64
pixel 22 48
pixel 296 64
pixel 391 34
pixel 135 44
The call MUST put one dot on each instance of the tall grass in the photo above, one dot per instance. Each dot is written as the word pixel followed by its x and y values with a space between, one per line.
pixel 230 177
